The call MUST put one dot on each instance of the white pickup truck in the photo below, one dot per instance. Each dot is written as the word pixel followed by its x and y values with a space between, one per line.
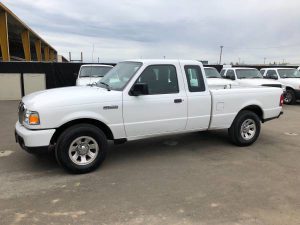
pixel 289 77
pixel 135 100
pixel 214 79
pixel 91 73
pixel 249 77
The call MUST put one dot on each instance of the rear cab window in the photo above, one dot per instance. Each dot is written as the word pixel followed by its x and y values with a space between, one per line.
pixel 194 78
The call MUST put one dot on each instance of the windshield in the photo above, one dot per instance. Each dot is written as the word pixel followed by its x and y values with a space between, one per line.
pixel 289 73
pixel 119 76
pixel 93 71
pixel 248 73
pixel 212 73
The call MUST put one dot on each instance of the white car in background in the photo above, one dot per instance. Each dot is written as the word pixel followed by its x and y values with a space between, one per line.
pixel 249 77
pixel 214 79
pixel 91 73
pixel 289 77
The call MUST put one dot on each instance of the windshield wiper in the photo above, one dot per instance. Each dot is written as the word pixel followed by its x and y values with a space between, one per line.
pixel 106 85
pixel 214 77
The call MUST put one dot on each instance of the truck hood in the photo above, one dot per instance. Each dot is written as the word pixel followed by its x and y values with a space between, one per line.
pixel 291 82
pixel 257 82
pixel 83 81
pixel 69 96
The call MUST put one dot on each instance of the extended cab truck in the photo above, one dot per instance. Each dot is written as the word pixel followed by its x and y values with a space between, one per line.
pixel 289 77
pixel 249 77
pixel 214 79
pixel 135 100
pixel 91 73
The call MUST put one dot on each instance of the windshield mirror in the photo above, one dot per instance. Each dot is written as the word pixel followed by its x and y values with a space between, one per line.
pixel 248 73
pixel 120 75
pixel 94 71
pixel 289 73
pixel 212 73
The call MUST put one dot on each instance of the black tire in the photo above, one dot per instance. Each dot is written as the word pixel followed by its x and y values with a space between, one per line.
pixel 235 131
pixel 76 132
pixel 289 97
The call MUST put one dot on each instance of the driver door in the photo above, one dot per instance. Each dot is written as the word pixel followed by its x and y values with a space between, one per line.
pixel 162 110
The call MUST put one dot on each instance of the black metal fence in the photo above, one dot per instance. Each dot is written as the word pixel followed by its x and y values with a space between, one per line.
pixel 57 74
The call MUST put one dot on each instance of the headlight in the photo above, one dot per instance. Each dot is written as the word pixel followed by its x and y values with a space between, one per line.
pixel 31 118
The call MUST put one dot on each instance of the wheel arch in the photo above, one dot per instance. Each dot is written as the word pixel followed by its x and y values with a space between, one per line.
pixel 289 88
pixel 254 108
pixel 102 126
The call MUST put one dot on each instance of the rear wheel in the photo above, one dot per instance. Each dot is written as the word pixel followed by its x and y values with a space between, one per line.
pixel 245 129
pixel 289 97
pixel 81 148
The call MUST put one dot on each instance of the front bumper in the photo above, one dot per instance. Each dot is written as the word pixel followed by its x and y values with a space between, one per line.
pixel 32 139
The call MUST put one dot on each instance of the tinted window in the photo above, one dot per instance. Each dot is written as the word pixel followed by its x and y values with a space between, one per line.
pixel 270 73
pixel 222 73
pixel 248 73
pixel 289 73
pixel 194 78
pixel 161 79
pixel 211 73
pixel 230 73
pixel 94 71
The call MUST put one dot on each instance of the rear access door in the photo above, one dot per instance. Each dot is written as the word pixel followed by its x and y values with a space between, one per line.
pixel 198 97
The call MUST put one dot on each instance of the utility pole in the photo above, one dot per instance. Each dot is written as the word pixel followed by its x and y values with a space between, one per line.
pixel 221 51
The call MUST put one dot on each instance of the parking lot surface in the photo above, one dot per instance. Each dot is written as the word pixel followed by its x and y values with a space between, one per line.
pixel 197 178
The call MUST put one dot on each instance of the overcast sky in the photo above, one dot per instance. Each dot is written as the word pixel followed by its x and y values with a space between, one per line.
pixel 191 29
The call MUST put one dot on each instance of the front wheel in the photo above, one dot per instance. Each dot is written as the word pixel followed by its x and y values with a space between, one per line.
pixel 245 129
pixel 289 97
pixel 81 148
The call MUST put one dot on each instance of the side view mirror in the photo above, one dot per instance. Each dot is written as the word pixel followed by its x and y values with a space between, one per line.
pixel 273 76
pixel 231 77
pixel 139 89
pixel 75 75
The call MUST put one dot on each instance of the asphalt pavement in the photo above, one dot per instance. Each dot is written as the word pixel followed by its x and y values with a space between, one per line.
pixel 196 178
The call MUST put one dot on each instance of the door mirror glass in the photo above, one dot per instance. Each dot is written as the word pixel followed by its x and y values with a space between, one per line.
pixel 139 89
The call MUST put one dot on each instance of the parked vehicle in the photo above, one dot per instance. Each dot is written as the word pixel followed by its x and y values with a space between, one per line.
pixel 249 77
pixel 214 79
pixel 91 73
pixel 139 99
pixel 289 77
pixel 298 68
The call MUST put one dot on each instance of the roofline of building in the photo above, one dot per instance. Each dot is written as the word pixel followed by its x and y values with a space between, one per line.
pixel 23 24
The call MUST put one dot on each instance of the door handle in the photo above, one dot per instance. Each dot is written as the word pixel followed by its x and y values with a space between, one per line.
pixel 178 100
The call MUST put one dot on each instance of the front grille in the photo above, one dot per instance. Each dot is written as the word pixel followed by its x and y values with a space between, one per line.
pixel 272 85
pixel 21 112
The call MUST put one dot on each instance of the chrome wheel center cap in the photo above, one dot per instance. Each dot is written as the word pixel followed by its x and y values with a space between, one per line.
pixel 83 149
pixel 246 129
